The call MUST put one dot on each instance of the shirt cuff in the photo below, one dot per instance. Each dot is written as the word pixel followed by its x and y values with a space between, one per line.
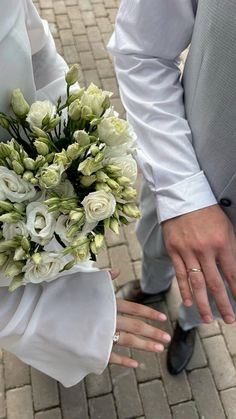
pixel 186 196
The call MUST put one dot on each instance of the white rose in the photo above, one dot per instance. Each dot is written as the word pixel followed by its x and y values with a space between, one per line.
pixel 11 230
pixel 127 165
pixel 94 98
pixel 13 187
pixel 115 131
pixel 98 206
pixel 47 270
pixel 38 111
pixel 40 223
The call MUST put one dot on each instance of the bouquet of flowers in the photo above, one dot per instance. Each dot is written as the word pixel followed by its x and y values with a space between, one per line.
pixel 66 176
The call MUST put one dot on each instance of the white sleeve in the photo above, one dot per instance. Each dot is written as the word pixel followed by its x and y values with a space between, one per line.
pixel 63 328
pixel 48 66
pixel 148 39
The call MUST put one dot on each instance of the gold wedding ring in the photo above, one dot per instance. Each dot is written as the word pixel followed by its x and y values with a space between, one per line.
pixel 116 337
pixel 194 270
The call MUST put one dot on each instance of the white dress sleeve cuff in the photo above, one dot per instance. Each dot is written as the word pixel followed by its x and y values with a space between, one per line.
pixel 186 196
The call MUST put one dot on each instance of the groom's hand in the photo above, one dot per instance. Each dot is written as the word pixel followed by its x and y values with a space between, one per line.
pixel 203 239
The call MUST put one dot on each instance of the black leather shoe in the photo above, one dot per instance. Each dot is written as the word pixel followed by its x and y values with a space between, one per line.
pixel 132 292
pixel 180 349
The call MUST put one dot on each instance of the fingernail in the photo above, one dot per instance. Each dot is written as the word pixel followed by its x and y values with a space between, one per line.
pixel 162 316
pixel 207 319
pixel 134 364
pixel 167 338
pixel 188 303
pixel 159 347
pixel 229 319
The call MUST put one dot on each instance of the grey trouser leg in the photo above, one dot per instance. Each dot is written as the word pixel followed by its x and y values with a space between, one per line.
pixel 157 269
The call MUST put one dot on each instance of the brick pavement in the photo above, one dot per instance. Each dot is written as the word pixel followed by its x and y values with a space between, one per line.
pixel 207 389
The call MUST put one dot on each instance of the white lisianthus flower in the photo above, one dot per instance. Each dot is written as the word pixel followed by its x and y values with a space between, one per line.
pixel 95 98
pixel 65 189
pixel 98 206
pixel 115 131
pixel 62 226
pixel 122 150
pixel 10 230
pixel 13 187
pixel 38 111
pixel 50 176
pixel 46 270
pixel 127 165
pixel 40 223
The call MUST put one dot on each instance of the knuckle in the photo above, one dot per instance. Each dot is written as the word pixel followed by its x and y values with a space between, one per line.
pixel 137 327
pixel 213 286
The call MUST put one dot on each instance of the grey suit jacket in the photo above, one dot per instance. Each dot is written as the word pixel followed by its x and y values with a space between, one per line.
pixel 210 97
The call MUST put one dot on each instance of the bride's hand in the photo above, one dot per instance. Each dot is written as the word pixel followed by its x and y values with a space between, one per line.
pixel 135 333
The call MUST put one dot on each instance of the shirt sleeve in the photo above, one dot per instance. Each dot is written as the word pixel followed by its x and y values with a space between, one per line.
pixel 146 44
pixel 63 328
pixel 48 66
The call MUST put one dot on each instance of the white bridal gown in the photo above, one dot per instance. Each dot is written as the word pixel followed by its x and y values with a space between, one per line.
pixel 63 328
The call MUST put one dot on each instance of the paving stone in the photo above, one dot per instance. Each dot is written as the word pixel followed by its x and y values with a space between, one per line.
pixel 133 244
pixel 87 61
pixel 125 390
pixel 66 36
pixel 16 372
pixel 97 385
pixel 110 84
pixel 2 394
pixel 157 406
pixel 137 266
pixel 19 403
pixel 74 12
pixel 91 76
pixel 104 25
pixel 102 407
pixel 118 105
pixel 228 398
pixel 99 51
pixel 48 14
pixel 105 68
pixel 148 365
pixel 94 35
pixel 45 391
pixel 63 22
pixel 198 359
pixel 113 239
pixel 185 411
pixel 78 27
pixel 59 7
pixel 70 54
pixel 166 325
pixel 177 387
pixel 103 259
pixel 205 394
pixel 120 259
pixel 85 5
pixel 73 402
pixel 207 330
pixel 220 362
pixel 229 332
pixel 89 18
pixel 82 43
pixel 49 414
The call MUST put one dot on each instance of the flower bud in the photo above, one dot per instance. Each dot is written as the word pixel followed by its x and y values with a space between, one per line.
pixel 86 112
pixel 7 245
pixel 129 194
pixel 81 137
pixel 14 155
pixel 82 252
pixel 25 244
pixel 53 123
pixel 72 230
pixel 5 150
pixel 72 74
pixel 76 215
pixel 75 95
pixel 19 105
pixel 4 121
pixel 87 181
pixel 99 157
pixel 13 269
pixel 29 163
pixel 37 258
pixel 73 151
pixel 94 150
pixel 6 206
pixel 101 176
pixel 17 167
pixel 113 170
pixel 28 175
pixel 3 258
pixel 69 265
pixel 89 166
pixel 39 132
pixel 80 241
pixel 99 241
pixel 52 201
pixel 113 184
pixel 10 217
pixel 19 254
pixel 19 207
pixel 131 210
pixel 34 181
pixel 39 162
pixel 123 180
pixel 75 110
pixel 61 158
pixel 114 225
pixel 102 187
pixel 41 148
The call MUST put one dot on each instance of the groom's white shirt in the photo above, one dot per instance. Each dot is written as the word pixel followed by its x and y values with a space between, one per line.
pixel 63 328
pixel 148 39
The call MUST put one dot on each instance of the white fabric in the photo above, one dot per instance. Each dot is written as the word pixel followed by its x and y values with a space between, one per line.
pixel 147 41
pixel 63 328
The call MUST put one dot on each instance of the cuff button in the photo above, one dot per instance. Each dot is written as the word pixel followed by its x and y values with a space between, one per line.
pixel 225 202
